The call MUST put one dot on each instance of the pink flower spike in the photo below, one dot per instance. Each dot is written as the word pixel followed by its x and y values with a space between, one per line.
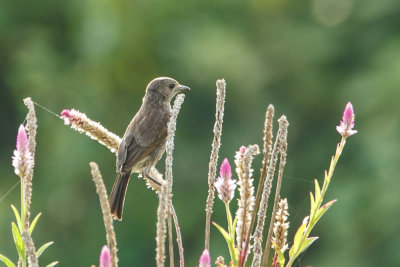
pixel 225 185
pixel 105 257
pixel 347 124
pixel 22 160
pixel 22 139
pixel 225 170
pixel 205 260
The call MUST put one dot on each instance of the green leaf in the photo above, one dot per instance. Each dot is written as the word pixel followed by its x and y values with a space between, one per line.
pixel 298 237
pixel 33 224
pixel 6 261
pixel 43 247
pixel 52 264
pixel 17 217
pixel 234 228
pixel 306 243
pixel 18 241
pixel 312 200
pixel 223 232
pixel 323 209
pixel 317 190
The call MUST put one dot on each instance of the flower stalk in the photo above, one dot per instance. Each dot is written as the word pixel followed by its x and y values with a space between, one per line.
pixel 302 240
pixel 226 189
pixel 212 167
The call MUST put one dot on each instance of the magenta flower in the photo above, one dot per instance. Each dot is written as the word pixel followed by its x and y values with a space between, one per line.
pixel 66 114
pixel 22 159
pixel 346 125
pixel 105 257
pixel 205 260
pixel 225 184
pixel 70 116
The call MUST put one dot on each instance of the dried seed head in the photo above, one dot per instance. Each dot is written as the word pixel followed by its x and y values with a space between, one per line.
pixel 220 261
pixel 81 123
pixel 281 226
pixel 243 160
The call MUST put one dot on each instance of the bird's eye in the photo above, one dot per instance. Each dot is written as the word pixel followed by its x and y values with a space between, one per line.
pixel 171 85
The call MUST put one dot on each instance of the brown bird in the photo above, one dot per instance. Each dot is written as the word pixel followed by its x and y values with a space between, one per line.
pixel 144 140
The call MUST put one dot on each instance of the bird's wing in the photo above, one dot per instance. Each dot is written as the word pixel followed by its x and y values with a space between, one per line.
pixel 145 133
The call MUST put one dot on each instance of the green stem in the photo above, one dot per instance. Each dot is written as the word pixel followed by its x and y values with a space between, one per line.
pixel 229 218
pixel 324 188
pixel 231 243
pixel 23 213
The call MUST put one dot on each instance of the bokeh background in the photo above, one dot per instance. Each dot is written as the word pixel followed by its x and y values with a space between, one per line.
pixel 308 58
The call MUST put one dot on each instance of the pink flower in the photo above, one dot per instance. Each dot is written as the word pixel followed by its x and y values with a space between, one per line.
pixel 225 184
pixel 205 260
pixel 225 170
pixel 105 257
pixel 346 125
pixel 68 116
pixel 22 159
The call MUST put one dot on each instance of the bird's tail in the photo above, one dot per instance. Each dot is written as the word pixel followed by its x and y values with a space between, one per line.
pixel 117 196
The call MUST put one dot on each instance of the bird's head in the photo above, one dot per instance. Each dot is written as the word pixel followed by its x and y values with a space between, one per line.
pixel 165 87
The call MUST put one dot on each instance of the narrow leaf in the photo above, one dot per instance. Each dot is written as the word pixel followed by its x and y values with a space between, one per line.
pixel 306 243
pixel 17 217
pixel 312 200
pixel 54 263
pixel 18 241
pixel 34 223
pixel 298 237
pixel 6 261
pixel 323 209
pixel 317 190
pixel 233 228
pixel 43 247
pixel 223 232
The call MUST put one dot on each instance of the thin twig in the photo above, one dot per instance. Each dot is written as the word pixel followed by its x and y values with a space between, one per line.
pixel 178 236
pixel 267 147
pixel 212 167
pixel 105 208
pixel 165 196
pixel 283 125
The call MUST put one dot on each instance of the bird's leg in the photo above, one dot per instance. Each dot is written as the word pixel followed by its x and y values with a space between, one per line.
pixel 153 178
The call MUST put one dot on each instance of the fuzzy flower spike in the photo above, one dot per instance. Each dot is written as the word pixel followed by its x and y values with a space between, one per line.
pixel 205 260
pixel 347 124
pixel 225 184
pixel 105 257
pixel 81 123
pixel 22 159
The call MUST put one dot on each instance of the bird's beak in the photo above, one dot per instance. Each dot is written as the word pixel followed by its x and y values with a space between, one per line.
pixel 184 88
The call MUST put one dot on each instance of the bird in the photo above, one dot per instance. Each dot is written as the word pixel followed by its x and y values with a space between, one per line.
pixel 143 143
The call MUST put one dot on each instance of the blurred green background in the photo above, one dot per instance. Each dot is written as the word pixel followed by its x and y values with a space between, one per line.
pixel 308 58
